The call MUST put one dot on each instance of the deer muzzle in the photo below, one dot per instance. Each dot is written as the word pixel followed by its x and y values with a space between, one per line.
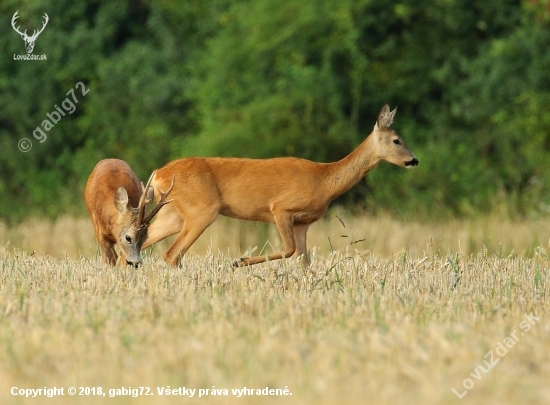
pixel 133 263
pixel 412 163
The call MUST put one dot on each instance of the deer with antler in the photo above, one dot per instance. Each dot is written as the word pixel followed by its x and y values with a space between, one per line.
pixel 292 193
pixel 112 192
pixel 29 41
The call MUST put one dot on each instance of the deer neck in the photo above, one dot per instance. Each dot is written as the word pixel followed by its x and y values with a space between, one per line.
pixel 346 173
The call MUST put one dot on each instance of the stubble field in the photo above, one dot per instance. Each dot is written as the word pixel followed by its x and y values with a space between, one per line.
pixel 407 315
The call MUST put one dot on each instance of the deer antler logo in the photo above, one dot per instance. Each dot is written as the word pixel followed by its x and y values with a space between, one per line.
pixel 29 41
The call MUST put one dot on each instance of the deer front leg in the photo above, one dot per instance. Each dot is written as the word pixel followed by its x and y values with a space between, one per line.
pixel 108 253
pixel 168 223
pixel 189 233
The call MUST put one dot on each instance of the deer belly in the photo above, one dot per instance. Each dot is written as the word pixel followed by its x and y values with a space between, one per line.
pixel 307 216
pixel 248 212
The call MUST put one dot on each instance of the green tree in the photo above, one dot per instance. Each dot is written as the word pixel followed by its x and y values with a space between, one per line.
pixel 260 78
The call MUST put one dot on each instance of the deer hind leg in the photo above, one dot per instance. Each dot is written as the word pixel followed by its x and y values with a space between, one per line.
pixel 189 233
pixel 300 232
pixel 285 226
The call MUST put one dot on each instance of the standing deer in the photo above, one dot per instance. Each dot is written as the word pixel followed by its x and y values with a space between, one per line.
pixel 111 193
pixel 290 192
pixel 29 41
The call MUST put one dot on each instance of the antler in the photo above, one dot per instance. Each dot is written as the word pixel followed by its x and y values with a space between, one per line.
pixel 161 202
pixel 35 33
pixel 15 17
pixel 143 201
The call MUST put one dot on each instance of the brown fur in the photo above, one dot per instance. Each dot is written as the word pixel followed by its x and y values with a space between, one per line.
pixel 112 225
pixel 290 192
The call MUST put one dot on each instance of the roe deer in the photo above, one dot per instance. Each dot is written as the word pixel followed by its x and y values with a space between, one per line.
pixel 290 192
pixel 111 192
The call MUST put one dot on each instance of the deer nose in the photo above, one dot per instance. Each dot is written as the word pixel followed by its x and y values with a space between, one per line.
pixel 413 162
pixel 133 263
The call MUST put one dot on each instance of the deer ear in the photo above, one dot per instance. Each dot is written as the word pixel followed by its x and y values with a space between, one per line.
pixel 121 200
pixel 385 117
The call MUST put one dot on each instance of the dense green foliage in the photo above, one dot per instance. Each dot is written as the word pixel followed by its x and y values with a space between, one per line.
pixel 266 78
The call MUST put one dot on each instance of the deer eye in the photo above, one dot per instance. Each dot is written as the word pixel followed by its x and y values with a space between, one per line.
pixel 397 141
pixel 128 239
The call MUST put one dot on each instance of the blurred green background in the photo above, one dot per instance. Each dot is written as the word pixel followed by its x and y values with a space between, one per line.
pixel 266 78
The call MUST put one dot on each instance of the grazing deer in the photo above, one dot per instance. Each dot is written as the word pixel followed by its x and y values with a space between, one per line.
pixel 290 192
pixel 111 193
pixel 29 41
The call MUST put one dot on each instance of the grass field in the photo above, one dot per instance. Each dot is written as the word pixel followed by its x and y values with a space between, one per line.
pixel 405 316
pixel 382 236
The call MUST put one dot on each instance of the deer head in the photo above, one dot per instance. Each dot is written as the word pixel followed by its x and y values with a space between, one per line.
pixel 29 41
pixel 133 221
pixel 390 147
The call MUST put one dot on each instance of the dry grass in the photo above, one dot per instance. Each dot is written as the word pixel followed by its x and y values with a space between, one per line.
pixel 382 236
pixel 399 327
